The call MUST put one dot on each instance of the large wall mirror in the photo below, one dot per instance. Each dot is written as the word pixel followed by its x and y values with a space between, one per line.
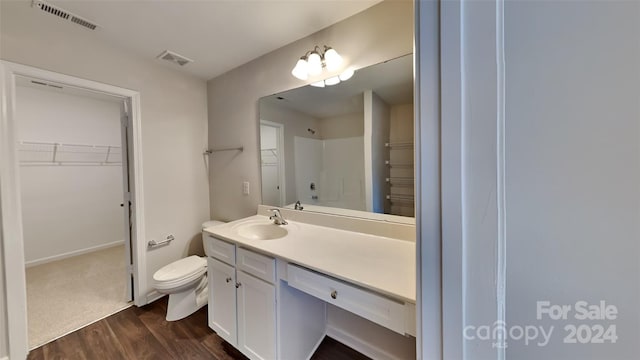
pixel 342 147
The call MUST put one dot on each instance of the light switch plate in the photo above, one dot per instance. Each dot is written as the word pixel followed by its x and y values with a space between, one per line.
pixel 245 188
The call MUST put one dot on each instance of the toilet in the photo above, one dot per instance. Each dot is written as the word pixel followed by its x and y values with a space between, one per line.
pixel 185 281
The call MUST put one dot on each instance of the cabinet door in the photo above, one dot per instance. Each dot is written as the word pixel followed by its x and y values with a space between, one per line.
pixel 222 300
pixel 256 317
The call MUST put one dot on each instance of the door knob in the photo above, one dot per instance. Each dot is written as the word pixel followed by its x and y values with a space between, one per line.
pixel 228 279
pixel 238 285
pixel 334 294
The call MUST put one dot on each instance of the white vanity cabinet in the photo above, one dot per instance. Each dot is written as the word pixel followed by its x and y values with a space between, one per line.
pixel 278 298
pixel 242 298
pixel 222 300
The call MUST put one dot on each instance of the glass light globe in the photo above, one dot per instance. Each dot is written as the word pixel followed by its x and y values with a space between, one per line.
pixel 315 64
pixel 332 59
pixel 300 70
pixel 346 75
pixel 332 81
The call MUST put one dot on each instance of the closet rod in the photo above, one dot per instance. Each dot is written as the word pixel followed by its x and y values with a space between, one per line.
pixel 211 151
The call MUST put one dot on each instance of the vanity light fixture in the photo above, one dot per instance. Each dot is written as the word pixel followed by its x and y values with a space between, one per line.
pixel 344 76
pixel 315 60
pixel 332 81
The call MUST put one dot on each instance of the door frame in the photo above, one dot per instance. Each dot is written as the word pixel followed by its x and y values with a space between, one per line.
pixel 436 257
pixel 11 231
pixel 281 163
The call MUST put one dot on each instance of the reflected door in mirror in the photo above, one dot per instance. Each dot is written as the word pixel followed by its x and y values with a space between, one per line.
pixel 272 163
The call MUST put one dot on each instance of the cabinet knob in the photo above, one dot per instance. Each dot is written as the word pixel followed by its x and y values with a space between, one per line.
pixel 238 285
pixel 228 279
pixel 334 294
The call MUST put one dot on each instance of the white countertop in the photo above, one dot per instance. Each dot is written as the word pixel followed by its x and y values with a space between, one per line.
pixel 381 264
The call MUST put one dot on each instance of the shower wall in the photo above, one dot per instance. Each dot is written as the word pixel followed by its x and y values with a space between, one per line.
pixel 335 168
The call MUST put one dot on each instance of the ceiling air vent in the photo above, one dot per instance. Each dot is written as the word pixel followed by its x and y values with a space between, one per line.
pixel 174 58
pixel 63 14
pixel 83 22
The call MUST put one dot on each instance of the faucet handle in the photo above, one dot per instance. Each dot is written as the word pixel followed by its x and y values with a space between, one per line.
pixel 277 217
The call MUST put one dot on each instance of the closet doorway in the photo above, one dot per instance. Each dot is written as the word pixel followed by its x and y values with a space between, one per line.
pixel 71 192
pixel 72 154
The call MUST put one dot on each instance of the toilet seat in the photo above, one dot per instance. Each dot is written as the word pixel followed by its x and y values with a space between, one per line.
pixel 180 272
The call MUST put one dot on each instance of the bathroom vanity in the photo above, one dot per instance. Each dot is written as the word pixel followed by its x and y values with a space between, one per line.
pixel 269 285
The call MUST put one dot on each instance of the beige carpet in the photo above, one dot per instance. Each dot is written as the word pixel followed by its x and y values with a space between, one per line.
pixel 68 294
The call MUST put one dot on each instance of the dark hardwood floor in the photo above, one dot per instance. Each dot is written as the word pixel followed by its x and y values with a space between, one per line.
pixel 143 333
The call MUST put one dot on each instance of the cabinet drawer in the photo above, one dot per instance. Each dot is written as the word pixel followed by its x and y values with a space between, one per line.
pixel 261 266
pixel 219 249
pixel 372 306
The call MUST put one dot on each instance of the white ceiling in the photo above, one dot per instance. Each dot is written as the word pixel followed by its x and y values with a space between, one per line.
pixel 218 35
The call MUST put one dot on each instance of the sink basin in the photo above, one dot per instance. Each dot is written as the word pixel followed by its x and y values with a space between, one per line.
pixel 261 231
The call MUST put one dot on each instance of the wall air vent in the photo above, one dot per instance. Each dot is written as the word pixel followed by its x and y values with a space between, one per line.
pixel 174 58
pixel 63 14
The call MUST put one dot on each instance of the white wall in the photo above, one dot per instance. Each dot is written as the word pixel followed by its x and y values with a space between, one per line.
pixel 173 109
pixel 3 307
pixel 573 168
pixel 550 190
pixel 342 184
pixel 382 32
pixel 63 206
pixel 342 126
pixel 401 123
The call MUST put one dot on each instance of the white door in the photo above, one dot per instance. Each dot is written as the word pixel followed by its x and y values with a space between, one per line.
pixel 256 317
pixel 125 117
pixel 222 300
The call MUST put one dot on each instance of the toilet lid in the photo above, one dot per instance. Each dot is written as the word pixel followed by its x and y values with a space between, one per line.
pixel 182 268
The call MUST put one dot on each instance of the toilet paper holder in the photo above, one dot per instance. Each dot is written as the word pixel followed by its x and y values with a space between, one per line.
pixel 154 243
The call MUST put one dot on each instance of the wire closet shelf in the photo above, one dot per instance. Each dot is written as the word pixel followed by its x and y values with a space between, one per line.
pixel 41 153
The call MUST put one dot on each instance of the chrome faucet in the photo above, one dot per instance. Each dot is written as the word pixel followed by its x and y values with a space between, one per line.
pixel 298 205
pixel 277 217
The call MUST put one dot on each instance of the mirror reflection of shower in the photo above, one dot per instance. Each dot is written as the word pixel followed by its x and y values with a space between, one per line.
pixel 330 172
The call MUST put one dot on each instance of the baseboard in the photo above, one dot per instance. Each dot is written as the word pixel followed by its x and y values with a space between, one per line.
pixel 4 358
pixel 72 253
pixel 152 296
pixel 315 348
pixel 358 344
